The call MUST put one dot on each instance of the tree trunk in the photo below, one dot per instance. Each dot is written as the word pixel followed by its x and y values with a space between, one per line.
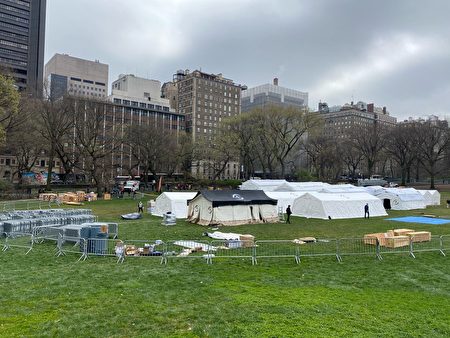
pixel 51 157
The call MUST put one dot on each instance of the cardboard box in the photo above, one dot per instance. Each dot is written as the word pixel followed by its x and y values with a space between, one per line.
pixel 396 241
pixel 107 197
pixel 420 236
pixel 402 232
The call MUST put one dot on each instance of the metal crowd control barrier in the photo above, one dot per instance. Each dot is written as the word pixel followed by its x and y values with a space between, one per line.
pixel 189 249
pixel 232 249
pixel 395 246
pixel 435 244
pixel 18 240
pixel 322 247
pixel 445 243
pixel 276 249
pixel 139 248
pixel 27 205
pixel 357 247
pixel 66 245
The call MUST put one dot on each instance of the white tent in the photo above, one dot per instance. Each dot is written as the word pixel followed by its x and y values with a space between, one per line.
pixel 401 198
pixel 284 198
pixel 432 197
pixel 265 185
pixel 336 206
pixel 343 188
pixel 175 202
pixel 302 186
pixel 232 207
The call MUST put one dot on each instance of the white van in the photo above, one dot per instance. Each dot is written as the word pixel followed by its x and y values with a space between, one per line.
pixel 131 186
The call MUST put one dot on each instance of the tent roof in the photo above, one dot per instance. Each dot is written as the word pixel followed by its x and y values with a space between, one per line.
pixel 178 195
pixel 235 197
pixel 267 185
pixel 349 196
pixel 302 186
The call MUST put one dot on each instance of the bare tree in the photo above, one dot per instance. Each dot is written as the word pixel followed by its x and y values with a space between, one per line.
pixel 402 147
pixel 351 156
pixel 94 140
pixel 27 144
pixel 55 123
pixel 434 141
pixel 369 141
pixel 154 148
pixel 220 151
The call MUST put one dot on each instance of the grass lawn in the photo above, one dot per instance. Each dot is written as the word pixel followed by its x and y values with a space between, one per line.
pixel 44 295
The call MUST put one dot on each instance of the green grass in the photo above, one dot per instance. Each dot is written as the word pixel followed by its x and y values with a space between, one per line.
pixel 44 295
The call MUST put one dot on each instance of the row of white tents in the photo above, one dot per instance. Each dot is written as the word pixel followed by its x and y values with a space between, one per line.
pixel 307 199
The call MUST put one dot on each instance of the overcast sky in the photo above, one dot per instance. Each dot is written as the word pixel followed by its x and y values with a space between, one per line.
pixel 391 52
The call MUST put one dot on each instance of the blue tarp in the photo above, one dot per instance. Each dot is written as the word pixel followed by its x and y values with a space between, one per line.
pixel 419 219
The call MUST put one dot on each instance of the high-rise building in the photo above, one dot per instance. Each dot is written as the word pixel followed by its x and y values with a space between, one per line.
pixel 145 93
pixel 205 99
pixel 75 76
pixel 340 120
pixel 22 37
pixel 272 94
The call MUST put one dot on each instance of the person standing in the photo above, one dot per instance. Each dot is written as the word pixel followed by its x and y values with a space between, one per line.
pixel 366 210
pixel 140 207
pixel 288 213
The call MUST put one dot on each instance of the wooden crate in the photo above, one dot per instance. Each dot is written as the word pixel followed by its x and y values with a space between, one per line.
pixel 48 197
pixel 402 232
pixel 396 241
pixel 369 238
pixel 420 236
pixel 248 241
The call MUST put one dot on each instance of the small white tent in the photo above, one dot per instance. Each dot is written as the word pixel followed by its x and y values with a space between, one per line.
pixel 284 198
pixel 337 206
pixel 175 202
pixel 232 207
pixel 432 197
pixel 401 198
pixel 265 185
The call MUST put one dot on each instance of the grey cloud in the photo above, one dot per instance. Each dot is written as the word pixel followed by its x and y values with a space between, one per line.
pixel 306 43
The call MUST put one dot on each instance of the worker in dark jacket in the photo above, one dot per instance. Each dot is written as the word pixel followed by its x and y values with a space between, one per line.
pixel 288 213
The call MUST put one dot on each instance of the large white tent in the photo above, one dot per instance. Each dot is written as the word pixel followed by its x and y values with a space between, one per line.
pixel 432 197
pixel 401 198
pixel 284 198
pixel 232 207
pixel 175 202
pixel 302 186
pixel 343 188
pixel 337 206
pixel 265 185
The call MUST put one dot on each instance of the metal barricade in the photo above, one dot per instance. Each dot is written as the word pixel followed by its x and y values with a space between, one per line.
pixel 277 249
pixel 395 245
pixel 445 243
pixel 357 247
pixel 18 240
pixel 189 249
pixel 231 249
pixel 74 245
pixel 319 248
pixel 421 245
pixel 143 248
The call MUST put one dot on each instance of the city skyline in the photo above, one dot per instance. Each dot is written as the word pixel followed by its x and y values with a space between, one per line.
pixel 391 53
